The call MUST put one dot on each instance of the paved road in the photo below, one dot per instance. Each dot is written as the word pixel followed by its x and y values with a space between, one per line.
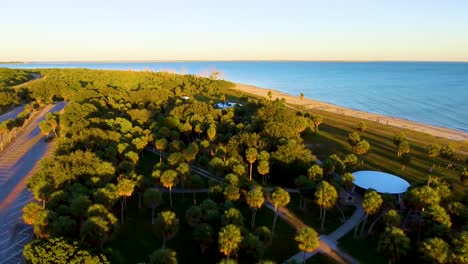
pixel 13 113
pixel 17 162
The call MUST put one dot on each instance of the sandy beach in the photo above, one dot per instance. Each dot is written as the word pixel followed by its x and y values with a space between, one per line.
pixel 393 121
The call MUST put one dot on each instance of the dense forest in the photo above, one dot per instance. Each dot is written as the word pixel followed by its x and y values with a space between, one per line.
pixel 8 79
pixel 100 170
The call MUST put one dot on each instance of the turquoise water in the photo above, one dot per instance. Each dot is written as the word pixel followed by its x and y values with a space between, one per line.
pixel 427 92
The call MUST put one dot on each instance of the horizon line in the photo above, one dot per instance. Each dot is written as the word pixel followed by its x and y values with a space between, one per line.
pixel 240 60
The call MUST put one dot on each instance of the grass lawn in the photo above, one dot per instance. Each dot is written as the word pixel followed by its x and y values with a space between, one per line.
pixel 311 212
pixel 322 259
pixel 364 250
pixel 135 239
pixel 332 139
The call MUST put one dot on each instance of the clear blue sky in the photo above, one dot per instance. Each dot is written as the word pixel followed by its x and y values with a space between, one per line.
pixel 50 30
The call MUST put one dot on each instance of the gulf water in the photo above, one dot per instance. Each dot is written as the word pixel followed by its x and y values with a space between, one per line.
pixel 433 93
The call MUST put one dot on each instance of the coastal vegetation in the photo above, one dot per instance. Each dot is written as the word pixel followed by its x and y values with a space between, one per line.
pixel 129 142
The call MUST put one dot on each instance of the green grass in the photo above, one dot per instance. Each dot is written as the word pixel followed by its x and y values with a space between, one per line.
pixel 135 239
pixel 310 215
pixel 364 250
pixel 322 259
pixel 332 139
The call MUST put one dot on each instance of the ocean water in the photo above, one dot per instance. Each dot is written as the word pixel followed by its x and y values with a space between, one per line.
pixel 434 93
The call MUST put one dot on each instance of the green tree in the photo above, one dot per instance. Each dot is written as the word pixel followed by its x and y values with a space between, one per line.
pixel 152 198
pixel 232 216
pixel 392 218
pixel 460 248
pixel 326 197
pixel 393 243
pixel 317 120
pixel 163 256
pixel 231 193
pixel 251 156
pixel 399 138
pixel 263 169
pixel 362 148
pixel 308 240
pixel 204 235
pixel 433 151
pixel 361 126
pixel 464 176
pixel 315 173
pixel 229 241
pixel 160 145
pixel 347 181
pixel 58 250
pixel 279 198
pixel 404 160
pixel 45 128
pixel 350 162
pixel 353 138
pixel 436 250
pixel 194 215
pixel 371 204
pixel 125 189
pixel 167 225
pixel 255 200
pixel 168 180
pixel 403 148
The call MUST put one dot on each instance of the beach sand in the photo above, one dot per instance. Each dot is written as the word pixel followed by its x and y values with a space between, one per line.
pixel 393 121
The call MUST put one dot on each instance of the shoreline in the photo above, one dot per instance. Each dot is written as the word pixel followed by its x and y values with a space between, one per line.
pixel 309 103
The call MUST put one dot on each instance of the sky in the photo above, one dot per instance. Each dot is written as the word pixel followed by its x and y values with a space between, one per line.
pixel 152 30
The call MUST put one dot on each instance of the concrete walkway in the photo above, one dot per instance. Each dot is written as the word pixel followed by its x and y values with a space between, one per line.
pixel 329 243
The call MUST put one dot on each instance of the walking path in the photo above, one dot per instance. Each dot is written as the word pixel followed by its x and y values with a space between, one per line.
pixel 17 162
pixel 328 243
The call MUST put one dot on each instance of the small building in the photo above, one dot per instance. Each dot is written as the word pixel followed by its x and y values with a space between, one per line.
pixel 381 182
pixel 185 97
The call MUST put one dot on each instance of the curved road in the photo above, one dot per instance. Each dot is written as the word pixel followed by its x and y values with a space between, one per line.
pixel 17 162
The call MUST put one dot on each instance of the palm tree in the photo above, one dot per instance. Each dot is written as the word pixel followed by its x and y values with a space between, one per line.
pixel 326 197
pixel 167 225
pixel 45 128
pixel 160 145
pixel 308 240
pixel 204 234
pixel 361 148
pixel 371 204
pixel 347 181
pixel 315 173
pixel 125 189
pixel 263 169
pixel 302 99
pixel 255 200
pixel 393 243
pixel 229 241
pixel 163 256
pixel 436 250
pixel 231 192
pixel 279 198
pixel 152 198
pixel 194 215
pixel 251 156
pixel 168 180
